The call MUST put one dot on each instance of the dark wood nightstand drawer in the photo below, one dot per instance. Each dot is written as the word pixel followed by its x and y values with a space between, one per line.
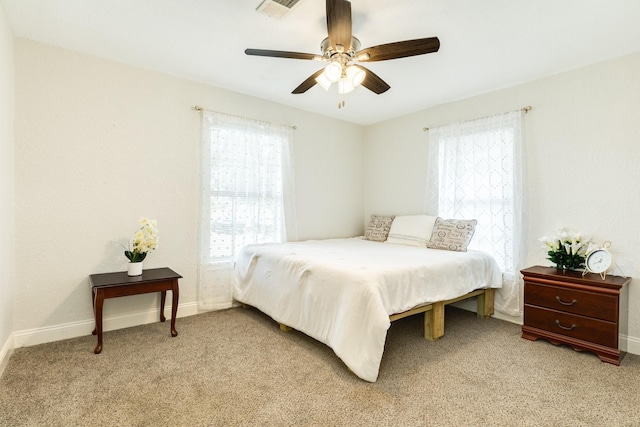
pixel 584 303
pixel 571 325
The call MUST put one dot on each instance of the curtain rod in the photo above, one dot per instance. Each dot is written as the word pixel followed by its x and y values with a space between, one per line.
pixel 523 109
pixel 199 108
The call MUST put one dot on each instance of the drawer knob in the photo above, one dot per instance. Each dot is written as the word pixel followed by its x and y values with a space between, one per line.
pixel 566 328
pixel 566 303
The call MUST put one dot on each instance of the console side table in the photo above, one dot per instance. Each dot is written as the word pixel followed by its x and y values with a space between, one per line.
pixel 113 285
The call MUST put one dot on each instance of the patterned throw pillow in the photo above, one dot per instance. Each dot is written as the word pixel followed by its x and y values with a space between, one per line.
pixel 378 228
pixel 452 234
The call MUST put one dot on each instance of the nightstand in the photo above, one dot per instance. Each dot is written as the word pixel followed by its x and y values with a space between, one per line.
pixel 583 312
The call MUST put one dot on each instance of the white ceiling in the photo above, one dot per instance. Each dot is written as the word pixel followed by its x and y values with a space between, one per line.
pixel 485 44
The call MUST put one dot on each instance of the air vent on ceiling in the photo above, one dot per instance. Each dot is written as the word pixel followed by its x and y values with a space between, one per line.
pixel 276 8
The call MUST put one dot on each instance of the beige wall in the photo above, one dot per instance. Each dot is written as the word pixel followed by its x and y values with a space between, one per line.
pixel 6 188
pixel 582 152
pixel 100 144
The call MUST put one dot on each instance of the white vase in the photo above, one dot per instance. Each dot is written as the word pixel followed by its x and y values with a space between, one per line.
pixel 134 268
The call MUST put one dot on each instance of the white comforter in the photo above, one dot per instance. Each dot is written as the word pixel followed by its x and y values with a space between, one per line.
pixel 342 291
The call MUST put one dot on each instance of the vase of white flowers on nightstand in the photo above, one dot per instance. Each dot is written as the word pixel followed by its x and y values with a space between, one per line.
pixel 144 241
pixel 566 249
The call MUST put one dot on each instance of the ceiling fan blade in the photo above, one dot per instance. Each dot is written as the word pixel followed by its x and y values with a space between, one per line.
pixel 309 83
pixel 281 54
pixel 339 23
pixel 373 82
pixel 399 49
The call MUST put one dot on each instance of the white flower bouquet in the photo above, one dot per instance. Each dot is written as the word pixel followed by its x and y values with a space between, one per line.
pixel 567 250
pixel 144 241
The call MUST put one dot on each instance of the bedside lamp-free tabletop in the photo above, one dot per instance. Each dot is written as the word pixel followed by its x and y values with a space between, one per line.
pixel 113 285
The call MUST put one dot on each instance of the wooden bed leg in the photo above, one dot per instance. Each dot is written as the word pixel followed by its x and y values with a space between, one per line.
pixel 434 322
pixel 285 328
pixel 485 303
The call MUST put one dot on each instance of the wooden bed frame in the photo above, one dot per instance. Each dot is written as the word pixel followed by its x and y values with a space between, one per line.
pixel 434 312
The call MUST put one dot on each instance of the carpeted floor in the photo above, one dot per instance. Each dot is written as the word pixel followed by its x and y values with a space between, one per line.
pixel 236 367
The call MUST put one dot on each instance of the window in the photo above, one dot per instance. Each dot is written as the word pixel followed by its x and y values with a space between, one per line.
pixel 246 189
pixel 474 173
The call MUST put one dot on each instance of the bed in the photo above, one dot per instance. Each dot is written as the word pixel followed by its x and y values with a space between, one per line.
pixel 346 292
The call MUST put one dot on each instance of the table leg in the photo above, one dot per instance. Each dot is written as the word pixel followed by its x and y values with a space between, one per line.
pixel 98 303
pixel 174 307
pixel 93 304
pixel 163 297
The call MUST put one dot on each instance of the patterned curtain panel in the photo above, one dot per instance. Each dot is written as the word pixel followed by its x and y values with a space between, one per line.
pixel 475 172
pixel 246 197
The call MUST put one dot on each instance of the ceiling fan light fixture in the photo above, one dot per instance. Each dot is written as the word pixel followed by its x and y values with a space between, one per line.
pixel 333 71
pixel 323 81
pixel 345 86
pixel 355 75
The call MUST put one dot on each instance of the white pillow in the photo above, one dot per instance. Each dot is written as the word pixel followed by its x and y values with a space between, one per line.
pixel 412 230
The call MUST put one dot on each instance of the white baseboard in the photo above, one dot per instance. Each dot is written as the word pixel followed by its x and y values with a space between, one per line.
pixel 215 304
pixel 85 327
pixel 5 353
pixel 632 344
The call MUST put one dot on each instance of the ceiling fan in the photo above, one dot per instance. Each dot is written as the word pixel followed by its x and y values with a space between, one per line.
pixel 342 51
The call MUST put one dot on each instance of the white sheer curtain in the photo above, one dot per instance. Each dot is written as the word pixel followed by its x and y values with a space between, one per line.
pixel 246 197
pixel 475 172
